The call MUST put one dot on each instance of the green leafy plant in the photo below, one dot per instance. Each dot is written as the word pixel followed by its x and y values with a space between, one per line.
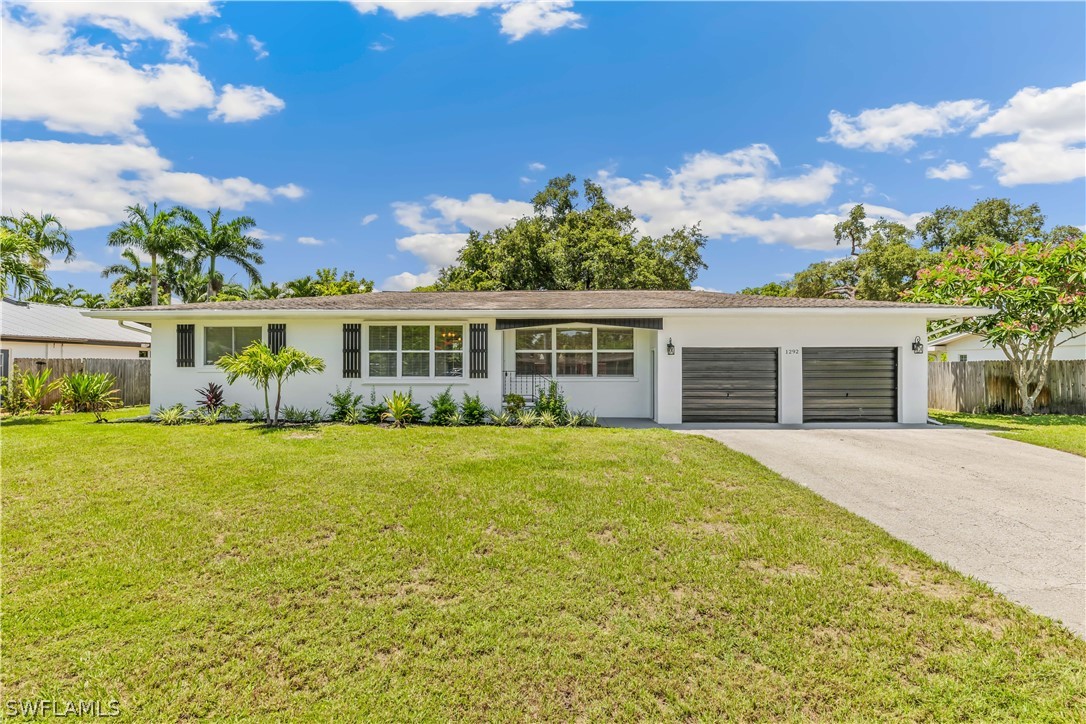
pixel 550 399
pixel 58 407
pixel 211 397
pixel 473 410
pixel 254 413
pixel 175 415
pixel 343 403
pixel 373 413
pixel 548 419
pixel 501 419
pixel 527 418
pixel 262 367
pixel 14 400
pixel 295 415
pixel 36 386
pixel 315 415
pixel 206 416
pixel 353 417
pixel 90 392
pixel 400 410
pixel 443 406
pixel 231 412
pixel 514 403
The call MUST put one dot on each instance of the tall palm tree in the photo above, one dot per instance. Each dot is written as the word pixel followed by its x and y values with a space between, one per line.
pixel 222 240
pixel 131 274
pixel 26 243
pixel 154 233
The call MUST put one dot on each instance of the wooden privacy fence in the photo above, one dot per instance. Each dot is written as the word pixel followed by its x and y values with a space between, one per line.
pixel 133 375
pixel 989 387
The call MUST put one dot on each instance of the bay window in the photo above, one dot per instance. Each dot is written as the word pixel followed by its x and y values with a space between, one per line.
pixel 574 352
pixel 416 350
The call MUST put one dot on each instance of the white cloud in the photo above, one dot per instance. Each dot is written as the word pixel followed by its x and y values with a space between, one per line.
pixel 245 103
pixel 310 241
pixel 379 47
pixel 536 166
pixel 481 212
pixel 526 181
pixel 289 191
pixel 263 235
pixel 406 281
pixel 897 127
pixel 227 33
pixel 257 46
pixel 368 219
pixel 949 171
pixel 521 19
pixel 72 86
pixel 1050 128
pixel 75 266
pixel 89 184
pixel 517 19
pixel 437 250
pixel 127 20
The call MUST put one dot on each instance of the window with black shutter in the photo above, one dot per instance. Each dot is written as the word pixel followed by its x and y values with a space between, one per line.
pixel 186 345
pixel 477 350
pixel 277 337
pixel 352 350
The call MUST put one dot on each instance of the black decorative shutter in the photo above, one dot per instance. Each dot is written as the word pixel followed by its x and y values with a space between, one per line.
pixel 186 345
pixel 352 350
pixel 277 337
pixel 478 337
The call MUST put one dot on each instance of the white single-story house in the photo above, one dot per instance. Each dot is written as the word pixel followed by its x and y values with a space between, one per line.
pixel 53 331
pixel 669 356
pixel 969 347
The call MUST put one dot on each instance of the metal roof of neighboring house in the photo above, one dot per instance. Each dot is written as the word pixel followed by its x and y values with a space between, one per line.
pixel 515 301
pixel 28 321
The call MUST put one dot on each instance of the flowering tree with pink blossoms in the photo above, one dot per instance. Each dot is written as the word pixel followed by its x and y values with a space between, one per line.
pixel 1037 289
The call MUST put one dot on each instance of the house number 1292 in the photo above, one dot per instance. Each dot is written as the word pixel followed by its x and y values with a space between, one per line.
pixel 791 351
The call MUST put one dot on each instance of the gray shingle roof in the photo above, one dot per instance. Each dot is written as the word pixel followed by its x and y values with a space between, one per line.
pixel 27 320
pixel 535 300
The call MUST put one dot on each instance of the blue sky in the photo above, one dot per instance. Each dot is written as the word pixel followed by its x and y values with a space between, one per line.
pixel 423 120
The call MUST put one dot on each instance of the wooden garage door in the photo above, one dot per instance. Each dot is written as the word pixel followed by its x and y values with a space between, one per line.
pixel 729 384
pixel 849 384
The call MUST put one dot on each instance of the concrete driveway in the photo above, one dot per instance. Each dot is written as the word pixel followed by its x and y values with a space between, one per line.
pixel 1005 512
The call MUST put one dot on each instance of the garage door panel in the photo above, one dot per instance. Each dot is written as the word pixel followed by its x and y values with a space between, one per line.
pixel 723 384
pixel 850 384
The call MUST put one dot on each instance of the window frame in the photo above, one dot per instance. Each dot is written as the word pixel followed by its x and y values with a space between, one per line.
pixel 553 351
pixel 432 352
pixel 233 338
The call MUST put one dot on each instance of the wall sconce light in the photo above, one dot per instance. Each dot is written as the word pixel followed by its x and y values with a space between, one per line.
pixel 670 347
pixel 918 346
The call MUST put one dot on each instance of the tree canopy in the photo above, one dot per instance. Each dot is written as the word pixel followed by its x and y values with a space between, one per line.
pixel 565 244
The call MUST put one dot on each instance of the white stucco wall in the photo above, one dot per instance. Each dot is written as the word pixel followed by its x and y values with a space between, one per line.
pixel 976 350
pixel 790 332
pixel 67 350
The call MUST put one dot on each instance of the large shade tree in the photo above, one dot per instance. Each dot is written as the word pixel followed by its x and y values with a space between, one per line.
pixel 566 245
pixel 221 239
pixel 1038 292
pixel 155 233
pixel 28 244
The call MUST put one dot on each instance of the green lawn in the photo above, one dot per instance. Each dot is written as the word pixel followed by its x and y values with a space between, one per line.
pixel 482 573
pixel 1060 432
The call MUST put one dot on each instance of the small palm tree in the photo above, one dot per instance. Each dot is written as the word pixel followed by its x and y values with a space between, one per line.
pixel 154 233
pixel 222 240
pixel 271 290
pixel 261 366
pixel 130 274
pixel 302 287
pixel 26 243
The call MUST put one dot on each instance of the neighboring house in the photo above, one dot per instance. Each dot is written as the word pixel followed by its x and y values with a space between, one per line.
pixel 969 347
pixel 52 331
pixel 672 356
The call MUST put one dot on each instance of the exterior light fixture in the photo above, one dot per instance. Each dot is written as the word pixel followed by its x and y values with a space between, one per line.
pixel 671 346
pixel 918 346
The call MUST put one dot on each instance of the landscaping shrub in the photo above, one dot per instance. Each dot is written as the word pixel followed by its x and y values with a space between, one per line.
pixel 550 399
pixel 231 412
pixel 343 403
pixel 170 415
pixel 90 392
pixel 373 413
pixel 211 397
pixel 501 419
pixel 36 386
pixel 254 413
pixel 206 416
pixel 444 408
pixel 473 410
pixel 513 403
pixel 527 418
pixel 400 410
pixel 14 399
